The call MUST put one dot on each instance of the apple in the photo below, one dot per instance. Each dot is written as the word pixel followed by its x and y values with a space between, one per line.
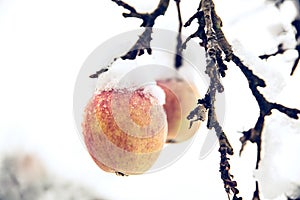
pixel 181 99
pixel 124 130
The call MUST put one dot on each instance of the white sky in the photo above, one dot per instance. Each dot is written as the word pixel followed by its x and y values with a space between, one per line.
pixel 43 45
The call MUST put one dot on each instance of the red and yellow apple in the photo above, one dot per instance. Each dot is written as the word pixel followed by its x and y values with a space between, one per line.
pixel 181 99
pixel 124 131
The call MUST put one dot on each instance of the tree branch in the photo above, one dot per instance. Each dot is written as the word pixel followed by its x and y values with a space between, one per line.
pixel 143 43
pixel 215 44
pixel 265 106
pixel 208 23
pixel 254 134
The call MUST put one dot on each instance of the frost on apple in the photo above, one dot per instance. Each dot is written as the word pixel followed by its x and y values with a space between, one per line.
pixel 124 130
pixel 220 56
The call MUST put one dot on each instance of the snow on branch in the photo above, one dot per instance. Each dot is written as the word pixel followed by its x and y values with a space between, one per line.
pixel 215 43
pixel 254 134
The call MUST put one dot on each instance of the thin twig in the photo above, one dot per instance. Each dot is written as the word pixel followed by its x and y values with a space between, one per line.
pixel 200 32
pixel 280 50
pixel 296 62
pixel 296 24
pixel 256 192
pixel 178 56
pixel 142 44
pixel 96 75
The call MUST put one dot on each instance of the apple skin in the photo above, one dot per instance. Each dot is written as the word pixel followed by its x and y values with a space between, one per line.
pixel 181 99
pixel 124 131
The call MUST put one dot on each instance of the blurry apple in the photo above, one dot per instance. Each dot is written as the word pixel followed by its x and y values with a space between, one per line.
pixel 181 99
pixel 124 131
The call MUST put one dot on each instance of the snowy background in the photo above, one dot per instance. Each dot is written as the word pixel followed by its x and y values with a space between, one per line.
pixel 43 45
